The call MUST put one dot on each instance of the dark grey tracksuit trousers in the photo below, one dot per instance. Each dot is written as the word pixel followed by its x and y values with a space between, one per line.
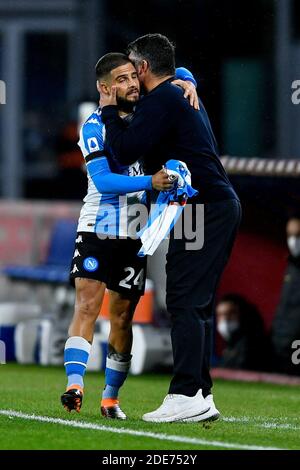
pixel 192 280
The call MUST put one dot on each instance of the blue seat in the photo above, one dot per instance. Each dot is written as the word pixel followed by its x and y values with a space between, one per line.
pixel 56 268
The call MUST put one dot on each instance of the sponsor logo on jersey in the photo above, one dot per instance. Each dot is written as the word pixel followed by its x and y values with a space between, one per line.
pixel 90 264
pixel 93 144
pixel 135 169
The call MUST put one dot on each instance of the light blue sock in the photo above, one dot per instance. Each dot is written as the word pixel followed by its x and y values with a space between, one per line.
pixel 110 392
pixel 115 375
pixel 77 350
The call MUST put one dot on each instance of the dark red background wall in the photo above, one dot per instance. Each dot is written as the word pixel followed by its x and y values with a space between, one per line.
pixel 256 270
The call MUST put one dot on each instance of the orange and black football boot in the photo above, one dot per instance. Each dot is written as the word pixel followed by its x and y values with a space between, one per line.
pixel 72 398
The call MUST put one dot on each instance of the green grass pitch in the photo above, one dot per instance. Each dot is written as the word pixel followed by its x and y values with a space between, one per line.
pixel 253 415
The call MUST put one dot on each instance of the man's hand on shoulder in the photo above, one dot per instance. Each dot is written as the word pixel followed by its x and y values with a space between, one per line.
pixel 190 92
pixel 108 99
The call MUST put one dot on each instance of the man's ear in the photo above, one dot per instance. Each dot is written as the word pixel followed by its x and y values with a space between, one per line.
pixel 102 87
pixel 144 66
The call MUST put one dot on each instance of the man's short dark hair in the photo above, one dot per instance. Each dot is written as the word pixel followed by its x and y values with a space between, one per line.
pixel 157 50
pixel 108 62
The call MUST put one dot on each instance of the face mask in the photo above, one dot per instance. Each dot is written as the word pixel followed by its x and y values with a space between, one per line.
pixel 294 245
pixel 226 328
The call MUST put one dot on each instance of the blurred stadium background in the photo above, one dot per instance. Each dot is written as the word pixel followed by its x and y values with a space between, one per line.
pixel 245 61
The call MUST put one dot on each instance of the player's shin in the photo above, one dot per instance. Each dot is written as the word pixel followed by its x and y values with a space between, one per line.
pixel 77 350
pixel 117 368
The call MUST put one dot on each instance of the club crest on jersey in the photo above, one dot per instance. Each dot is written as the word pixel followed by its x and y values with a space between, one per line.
pixel 93 144
pixel 90 264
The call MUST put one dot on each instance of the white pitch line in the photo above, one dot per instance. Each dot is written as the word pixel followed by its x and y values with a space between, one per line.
pixel 132 432
pixel 264 424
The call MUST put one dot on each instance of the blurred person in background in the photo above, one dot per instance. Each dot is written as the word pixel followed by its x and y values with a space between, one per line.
pixel 286 324
pixel 241 327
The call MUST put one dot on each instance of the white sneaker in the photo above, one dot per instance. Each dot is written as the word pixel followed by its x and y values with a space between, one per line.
pixel 211 415
pixel 178 407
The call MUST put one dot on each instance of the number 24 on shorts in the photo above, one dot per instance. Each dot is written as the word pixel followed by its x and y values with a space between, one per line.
pixel 134 280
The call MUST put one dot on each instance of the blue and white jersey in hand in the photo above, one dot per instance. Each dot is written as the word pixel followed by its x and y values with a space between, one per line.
pixel 110 190
pixel 168 207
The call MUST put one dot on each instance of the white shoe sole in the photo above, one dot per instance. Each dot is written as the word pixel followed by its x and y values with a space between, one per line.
pixel 179 417
pixel 210 415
